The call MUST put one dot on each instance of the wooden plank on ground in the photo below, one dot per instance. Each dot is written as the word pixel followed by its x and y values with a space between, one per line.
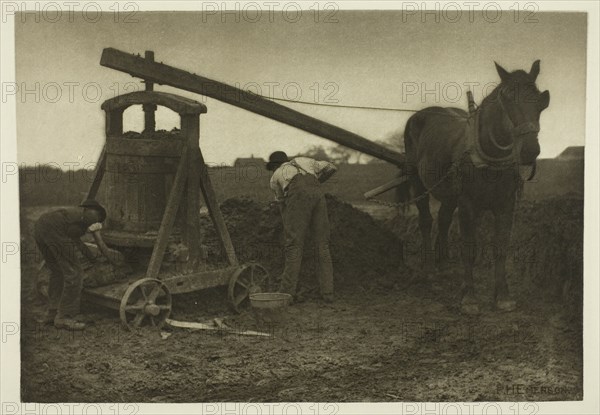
pixel 220 328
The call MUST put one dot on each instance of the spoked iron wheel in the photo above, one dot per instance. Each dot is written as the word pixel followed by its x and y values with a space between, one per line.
pixel 248 279
pixel 145 300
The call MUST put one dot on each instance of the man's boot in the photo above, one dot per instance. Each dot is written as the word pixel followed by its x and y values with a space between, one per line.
pixel 47 318
pixel 68 324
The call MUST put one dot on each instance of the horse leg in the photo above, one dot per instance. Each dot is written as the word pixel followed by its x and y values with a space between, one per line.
pixel 503 226
pixel 441 241
pixel 468 218
pixel 425 221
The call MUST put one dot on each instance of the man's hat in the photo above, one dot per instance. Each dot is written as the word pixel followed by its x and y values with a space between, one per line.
pixel 276 159
pixel 93 204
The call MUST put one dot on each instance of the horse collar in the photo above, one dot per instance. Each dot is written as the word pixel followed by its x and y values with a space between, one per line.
pixel 478 156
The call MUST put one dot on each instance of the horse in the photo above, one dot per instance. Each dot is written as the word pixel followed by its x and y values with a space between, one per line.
pixel 470 161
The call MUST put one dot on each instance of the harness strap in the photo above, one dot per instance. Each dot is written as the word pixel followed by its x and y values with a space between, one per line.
pixel 478 157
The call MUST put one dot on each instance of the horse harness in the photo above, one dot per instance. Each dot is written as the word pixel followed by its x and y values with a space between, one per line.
pixel 475 152
pixel 479 157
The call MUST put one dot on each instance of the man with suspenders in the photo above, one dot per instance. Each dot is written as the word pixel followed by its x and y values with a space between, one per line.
pixel 297 187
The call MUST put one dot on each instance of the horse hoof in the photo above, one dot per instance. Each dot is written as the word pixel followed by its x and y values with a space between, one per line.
pixel 506 305
pixel 470 309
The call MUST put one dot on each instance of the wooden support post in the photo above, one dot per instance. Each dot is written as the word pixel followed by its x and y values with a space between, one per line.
pixel 168 75
pixel 98 175
pixel 149 109
pixel 166 226
pixel 215 212
pixel 190 126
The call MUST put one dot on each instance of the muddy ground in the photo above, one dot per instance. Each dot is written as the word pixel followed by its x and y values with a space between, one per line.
pixel 392 334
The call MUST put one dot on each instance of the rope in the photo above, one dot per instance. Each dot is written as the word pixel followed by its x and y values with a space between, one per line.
pixel 318 104
pixel 361 107
pixel 399 204
pixel 423 195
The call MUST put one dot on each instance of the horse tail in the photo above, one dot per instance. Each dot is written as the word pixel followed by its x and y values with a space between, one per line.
pixel 406 191
pixel 412 131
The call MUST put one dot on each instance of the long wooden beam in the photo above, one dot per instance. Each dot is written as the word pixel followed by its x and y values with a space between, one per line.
pixel 386 187
pixel 160 73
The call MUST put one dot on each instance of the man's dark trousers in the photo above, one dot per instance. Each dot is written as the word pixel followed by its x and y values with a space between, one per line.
pixel 66 277
pixel 305 210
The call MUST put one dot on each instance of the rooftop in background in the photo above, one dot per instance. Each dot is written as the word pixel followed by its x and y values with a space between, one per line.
pixel 572 153
pixel 249 161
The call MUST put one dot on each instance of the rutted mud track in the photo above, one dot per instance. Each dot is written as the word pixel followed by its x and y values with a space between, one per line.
pixel 391 335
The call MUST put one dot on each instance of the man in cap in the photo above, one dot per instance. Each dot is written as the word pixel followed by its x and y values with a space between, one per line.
pixel 57 234
pixel 297 187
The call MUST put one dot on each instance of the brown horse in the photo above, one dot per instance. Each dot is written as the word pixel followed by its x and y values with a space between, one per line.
pixel 471 161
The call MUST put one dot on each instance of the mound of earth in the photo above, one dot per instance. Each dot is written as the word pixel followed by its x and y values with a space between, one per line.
pixel 362 249
pixel 545 257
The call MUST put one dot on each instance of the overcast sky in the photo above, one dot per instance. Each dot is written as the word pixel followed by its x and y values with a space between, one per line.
pixel 366 58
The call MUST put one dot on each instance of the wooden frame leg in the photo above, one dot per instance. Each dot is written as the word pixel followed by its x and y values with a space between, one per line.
pixel 215 212
pixel 168 220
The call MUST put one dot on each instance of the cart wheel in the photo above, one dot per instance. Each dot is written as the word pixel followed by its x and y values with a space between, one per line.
pixel 248 279
pixel 145 298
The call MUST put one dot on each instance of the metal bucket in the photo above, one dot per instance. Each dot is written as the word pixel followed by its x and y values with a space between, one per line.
pixel 270 309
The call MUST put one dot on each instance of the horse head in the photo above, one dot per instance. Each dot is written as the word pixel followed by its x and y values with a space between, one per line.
pixel 521 104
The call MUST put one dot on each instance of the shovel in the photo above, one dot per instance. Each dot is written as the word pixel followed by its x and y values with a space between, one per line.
pixel 217 326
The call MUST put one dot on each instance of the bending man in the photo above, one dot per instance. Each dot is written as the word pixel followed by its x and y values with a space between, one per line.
pixel 57 234
pixel 297 187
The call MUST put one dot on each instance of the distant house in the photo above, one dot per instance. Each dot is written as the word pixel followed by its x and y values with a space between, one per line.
pixel 250 162
pixel 572 153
